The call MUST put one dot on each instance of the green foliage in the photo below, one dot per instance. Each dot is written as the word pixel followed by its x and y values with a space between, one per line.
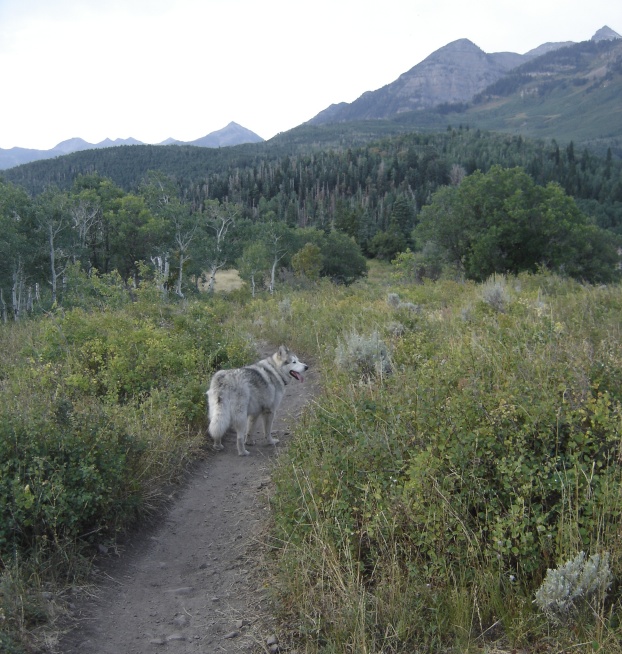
pixel 501 221
pixel 342 259
pixel 387 245
pixel 488 455
pixel 308 261
pixel 428 263
pixel 94 291
pixel 66 473
pixel 94 405
pixel 254 264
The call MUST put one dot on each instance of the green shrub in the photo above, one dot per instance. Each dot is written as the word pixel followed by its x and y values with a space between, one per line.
pixel 491 453
pixel 65 475
pixel 99 411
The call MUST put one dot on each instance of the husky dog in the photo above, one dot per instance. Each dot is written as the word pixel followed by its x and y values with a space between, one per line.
pixel 236 398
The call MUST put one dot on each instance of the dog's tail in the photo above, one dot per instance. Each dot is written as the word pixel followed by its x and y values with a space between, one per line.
pixel 219 414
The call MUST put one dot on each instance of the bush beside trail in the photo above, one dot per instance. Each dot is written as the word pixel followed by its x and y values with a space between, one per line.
pixel 421 510
pixel 99 411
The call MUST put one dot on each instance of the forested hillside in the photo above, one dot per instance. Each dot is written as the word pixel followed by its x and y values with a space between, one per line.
pixel 187 212
pixel 313 178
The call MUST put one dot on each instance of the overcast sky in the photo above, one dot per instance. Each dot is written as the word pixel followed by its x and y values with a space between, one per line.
pixel 154 69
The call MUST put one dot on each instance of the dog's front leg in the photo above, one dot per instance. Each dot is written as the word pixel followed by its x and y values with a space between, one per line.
pixel 267 425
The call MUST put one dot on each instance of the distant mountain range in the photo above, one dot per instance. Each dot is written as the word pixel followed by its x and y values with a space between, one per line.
pixel 232 134
pixel 459 77
pixel 451 75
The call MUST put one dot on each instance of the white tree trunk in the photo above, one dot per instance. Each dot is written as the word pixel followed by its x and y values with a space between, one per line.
pixel 180 276
pixel 5 317
pixel 54 279
pixel 212 278
pixel 273 275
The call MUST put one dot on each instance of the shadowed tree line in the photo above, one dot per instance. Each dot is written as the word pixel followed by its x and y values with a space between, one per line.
pixel 257 206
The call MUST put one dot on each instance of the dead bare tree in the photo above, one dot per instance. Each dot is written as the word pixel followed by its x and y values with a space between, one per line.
pixel 183 239
pixel 277 252
pixel 17 289
pixel 5 317
pixel 85 215
pixel 53 221
pixel 221 219
pixel 53 230
pixel 162 271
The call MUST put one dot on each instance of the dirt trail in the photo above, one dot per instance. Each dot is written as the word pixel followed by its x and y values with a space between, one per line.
pixel 193 583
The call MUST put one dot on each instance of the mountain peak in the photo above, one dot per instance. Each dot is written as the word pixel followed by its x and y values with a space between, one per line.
pixel 455 49
pixel 605 33
pixel 451 74
pixel 71 145
pixel 232 134
pixel 460 45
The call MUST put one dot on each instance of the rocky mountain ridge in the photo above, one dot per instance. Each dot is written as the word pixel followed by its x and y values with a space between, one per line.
pixel 451 75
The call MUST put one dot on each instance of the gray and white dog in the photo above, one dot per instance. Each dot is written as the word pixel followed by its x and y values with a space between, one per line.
pixel 236 398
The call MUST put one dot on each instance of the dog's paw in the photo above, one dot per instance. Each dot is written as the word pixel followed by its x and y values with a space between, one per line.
pixel 273 441
pixel 218 447
pixel 245 453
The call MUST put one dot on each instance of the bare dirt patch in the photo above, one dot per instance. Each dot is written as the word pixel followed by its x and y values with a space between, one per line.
pixel 193 583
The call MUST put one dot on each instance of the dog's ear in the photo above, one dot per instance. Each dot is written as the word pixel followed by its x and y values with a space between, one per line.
pixel 283 352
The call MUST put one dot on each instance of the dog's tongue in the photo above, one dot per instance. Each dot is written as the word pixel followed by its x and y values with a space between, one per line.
pixel 297 375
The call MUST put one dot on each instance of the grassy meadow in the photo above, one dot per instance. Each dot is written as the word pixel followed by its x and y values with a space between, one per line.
pixel 454 488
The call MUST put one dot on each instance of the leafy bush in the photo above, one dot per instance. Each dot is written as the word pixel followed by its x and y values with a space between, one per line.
pixel 308 261
pixel 451 486
pixel 99 408
pixel 501 221
pixel 65 474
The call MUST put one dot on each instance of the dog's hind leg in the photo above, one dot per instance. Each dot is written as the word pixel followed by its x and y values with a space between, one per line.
pixel 242 451
pixel 252 420
pixel 240 430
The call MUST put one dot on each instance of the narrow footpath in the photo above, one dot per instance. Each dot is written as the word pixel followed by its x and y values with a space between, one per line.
pixel 193 582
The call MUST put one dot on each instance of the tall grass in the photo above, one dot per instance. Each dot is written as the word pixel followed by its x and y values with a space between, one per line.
pixel 421 510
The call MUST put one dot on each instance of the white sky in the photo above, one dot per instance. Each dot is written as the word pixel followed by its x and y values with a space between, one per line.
pixel 154 69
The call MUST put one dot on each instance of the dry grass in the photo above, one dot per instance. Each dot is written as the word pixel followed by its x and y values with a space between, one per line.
pixel 226 281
